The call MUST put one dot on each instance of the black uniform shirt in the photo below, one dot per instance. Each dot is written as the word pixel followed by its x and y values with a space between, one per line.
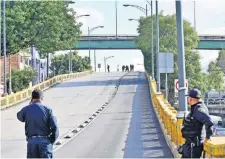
pixel 39 121
pixel 201 114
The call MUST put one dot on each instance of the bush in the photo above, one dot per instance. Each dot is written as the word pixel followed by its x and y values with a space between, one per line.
pixel 22 78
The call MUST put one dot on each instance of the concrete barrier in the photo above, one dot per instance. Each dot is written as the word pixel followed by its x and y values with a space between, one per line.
pixel 23 95
pixel 172 127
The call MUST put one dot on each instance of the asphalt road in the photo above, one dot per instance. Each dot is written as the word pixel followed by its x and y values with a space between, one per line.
pixel 127 127
pixel 72 102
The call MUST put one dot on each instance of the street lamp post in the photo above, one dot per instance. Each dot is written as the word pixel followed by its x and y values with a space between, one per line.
pixel 181 62
pixel 105 59
pixel 145 10
pixel 89 40
pixel 157 47
pixel 133 19
pixel 95 60
pixel 70 56
pixel 153 66
pixel 194 16
pixel 4 46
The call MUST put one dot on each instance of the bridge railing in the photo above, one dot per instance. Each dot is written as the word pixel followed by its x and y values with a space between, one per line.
pixel 23 95
pixel 212 37
pixel 172 127
pixel 86 38
pixel 132 37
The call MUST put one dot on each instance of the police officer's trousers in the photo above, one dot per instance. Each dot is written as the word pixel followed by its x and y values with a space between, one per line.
pixel 192 150
pixel 39 147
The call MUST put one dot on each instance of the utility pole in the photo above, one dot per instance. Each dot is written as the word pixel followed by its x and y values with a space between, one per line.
pixel 153 61
pixel 105 63
pixel 157 47
pixel 95 59
pixel 70 61
pixel 10 75
pixel 116 19
pixel 89 40
pixel 194 15
pixel 166 83
pixel 146 10
pixel 181 60
pixel 1 51
pixel 4 47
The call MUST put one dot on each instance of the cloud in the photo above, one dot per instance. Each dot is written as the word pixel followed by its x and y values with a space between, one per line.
pixel 206 57
pixel 96 18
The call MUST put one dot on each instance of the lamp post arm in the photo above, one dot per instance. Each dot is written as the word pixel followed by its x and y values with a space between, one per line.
pixel 92 29
pixel 139 7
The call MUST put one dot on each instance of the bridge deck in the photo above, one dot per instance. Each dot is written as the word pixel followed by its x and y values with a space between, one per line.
pixel 127 127
pixel 72 103
pixel 105 42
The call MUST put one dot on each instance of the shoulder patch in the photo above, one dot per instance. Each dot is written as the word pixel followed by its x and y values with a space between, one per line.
pixel 201 110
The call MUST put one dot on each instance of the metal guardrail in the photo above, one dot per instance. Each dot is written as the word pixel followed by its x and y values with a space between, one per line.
pixel 132 37
pixel 215 101
pixel 167 114
pixel 23 95
pixel 86 38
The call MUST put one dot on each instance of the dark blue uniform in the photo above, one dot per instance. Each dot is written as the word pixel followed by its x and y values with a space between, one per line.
pixel 41 130
pixel 193 130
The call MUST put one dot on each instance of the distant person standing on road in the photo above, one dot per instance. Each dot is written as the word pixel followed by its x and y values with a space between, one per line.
pixel 41 127
pixel 123 68
pixel 108 67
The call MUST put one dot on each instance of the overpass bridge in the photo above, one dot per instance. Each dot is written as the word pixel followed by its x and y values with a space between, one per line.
pixel 100 115
pixel 206 42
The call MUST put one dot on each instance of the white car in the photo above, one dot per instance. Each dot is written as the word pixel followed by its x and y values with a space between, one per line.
pixel 219 131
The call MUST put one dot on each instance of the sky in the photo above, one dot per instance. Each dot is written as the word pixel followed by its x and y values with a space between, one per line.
pixel 210 19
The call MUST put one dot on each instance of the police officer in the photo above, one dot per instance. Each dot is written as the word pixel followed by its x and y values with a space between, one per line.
pixel 192 130
pixel 41 127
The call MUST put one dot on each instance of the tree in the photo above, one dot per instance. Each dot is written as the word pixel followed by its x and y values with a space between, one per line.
pixel 22 78
pixel 220 62
pixel 168 43
pixel 48 25
pixel 60 63
pixel 215 77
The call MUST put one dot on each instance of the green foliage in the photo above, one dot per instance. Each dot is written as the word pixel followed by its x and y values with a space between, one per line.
pixel 60 63
pixel 215 77
pixel 168 43
pixel 220 62
pixel 48 25
pixel 22 78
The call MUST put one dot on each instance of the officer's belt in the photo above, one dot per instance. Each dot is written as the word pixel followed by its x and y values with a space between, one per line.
pixel 35 136
pixel 193 140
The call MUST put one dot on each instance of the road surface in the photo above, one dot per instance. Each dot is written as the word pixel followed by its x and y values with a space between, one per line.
pixel 126 128
pixel 72 102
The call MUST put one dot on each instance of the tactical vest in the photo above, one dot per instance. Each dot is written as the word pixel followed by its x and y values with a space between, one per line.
pixel 191 127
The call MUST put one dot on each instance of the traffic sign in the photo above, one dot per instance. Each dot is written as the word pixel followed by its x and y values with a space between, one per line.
pixel 176 87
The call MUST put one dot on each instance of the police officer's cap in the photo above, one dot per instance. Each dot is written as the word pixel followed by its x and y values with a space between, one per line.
pixel 37 94
pixel 194 93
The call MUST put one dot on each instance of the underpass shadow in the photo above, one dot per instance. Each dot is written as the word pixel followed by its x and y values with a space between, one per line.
pixel 145 138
